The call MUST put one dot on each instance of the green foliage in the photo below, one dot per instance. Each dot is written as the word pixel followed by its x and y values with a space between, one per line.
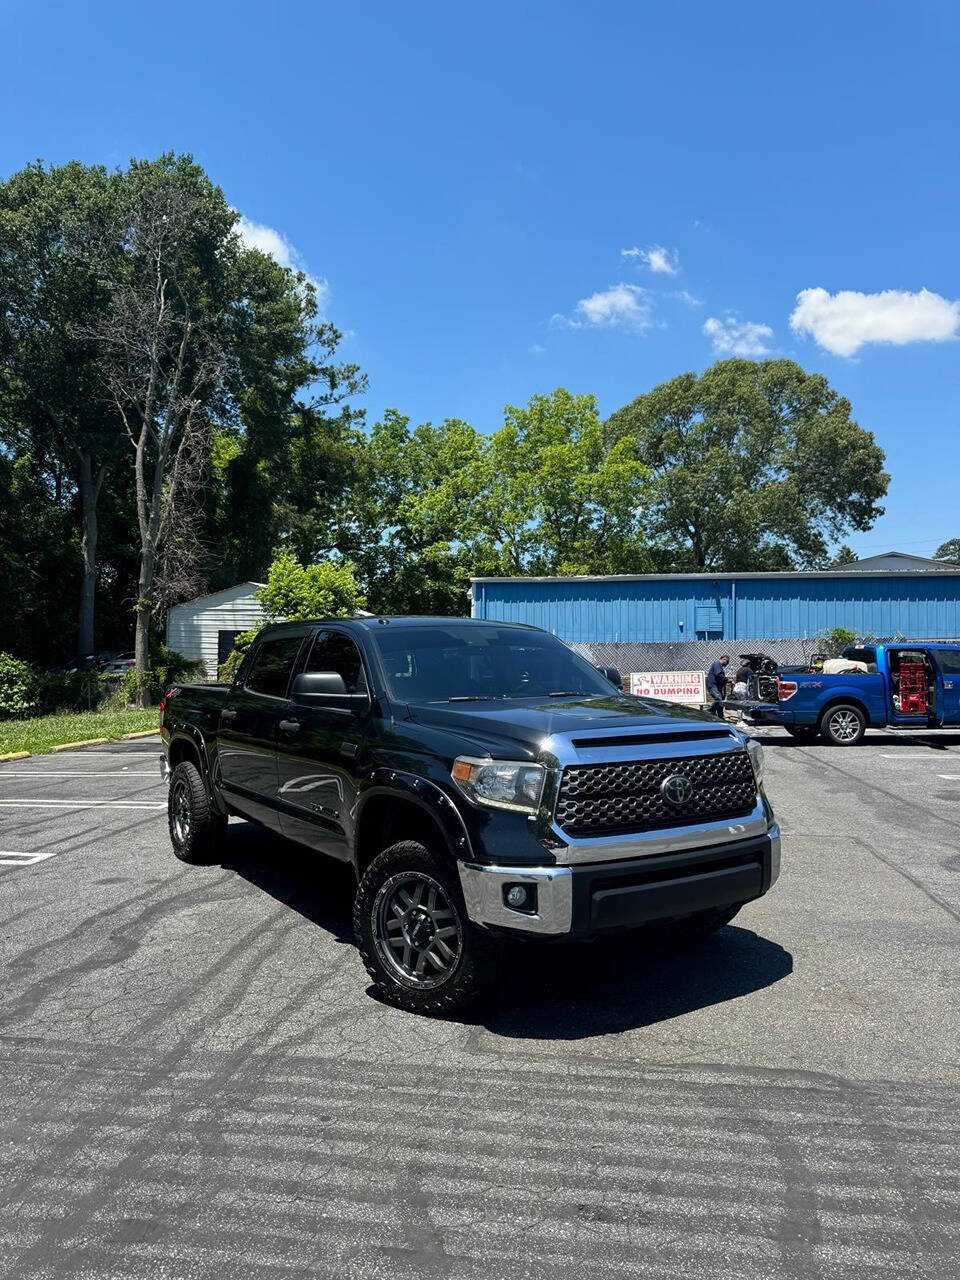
pixel 18 687
pixel 545 494
pixel 317 591
pixel 949 551
pixel 754 465
pixel 843 555
pixel 837 639
pixel 241 643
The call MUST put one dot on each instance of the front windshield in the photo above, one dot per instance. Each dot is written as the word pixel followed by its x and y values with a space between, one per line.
pixel 461 662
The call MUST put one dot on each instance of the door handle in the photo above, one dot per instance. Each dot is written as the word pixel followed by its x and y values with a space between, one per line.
pixel 227 716
pixel 289 726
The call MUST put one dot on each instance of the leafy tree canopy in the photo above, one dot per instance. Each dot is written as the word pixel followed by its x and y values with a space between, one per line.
pixel 317 591
pixel 949 551
pixel 753 465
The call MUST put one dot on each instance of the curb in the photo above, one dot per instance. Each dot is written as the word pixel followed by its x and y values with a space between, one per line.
pixel 87 742
pixel 15 755
pixel 141 733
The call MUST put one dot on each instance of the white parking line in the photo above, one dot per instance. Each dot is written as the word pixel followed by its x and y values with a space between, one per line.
pixel 78 773
pixel 949 777
pixel 26 802
pixel 10 859
pixel 934 754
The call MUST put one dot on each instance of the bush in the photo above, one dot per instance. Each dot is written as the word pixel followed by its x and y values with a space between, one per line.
pixel 167 667
pixel 72 690
pixel 19 683
pixel 835 641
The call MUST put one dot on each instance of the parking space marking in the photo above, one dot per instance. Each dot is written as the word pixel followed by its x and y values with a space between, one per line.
pixel 27 802
pixel 934 754
pixel 10 859
pixel 949 777
pixel 78 773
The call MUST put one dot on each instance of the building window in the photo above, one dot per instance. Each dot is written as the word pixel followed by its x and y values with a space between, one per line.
pixel 225 643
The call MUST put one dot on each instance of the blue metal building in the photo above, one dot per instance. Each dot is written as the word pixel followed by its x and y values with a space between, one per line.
pixel 885 596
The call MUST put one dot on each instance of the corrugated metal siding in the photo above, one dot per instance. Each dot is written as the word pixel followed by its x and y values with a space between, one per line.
pixel 192 628
pixel 668 611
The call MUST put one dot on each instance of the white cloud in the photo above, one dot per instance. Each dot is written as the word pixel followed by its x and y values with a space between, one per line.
pixel 734 337
pixel 624 306
pixel 843 322
pixel 661 261
pixel 256 235
pixel 682 295
pixel 537 349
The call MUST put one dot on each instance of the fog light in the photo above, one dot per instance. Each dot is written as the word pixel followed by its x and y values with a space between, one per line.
pixel 517 897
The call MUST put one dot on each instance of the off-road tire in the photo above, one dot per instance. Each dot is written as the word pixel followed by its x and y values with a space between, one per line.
pixel 397 870
pixel 803 732
pixel 196 829
pixel 843 725
pixel 700 925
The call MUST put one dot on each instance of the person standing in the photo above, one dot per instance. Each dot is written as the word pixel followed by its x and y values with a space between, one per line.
pixel 717 684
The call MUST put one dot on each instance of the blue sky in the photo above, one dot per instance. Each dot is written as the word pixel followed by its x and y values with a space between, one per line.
pixel 466 180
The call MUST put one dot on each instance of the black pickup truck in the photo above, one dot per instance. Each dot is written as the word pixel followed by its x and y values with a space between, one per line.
pixel 481 779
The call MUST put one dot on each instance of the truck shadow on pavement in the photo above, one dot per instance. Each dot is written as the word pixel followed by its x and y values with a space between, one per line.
pixel 547 990
pixel 574 990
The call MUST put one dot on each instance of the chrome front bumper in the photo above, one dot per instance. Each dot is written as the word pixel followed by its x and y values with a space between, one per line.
pixel 485 888
pixel 578 900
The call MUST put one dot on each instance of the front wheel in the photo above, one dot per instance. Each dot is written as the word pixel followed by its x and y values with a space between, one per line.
pixel 843 725
pixel 415 940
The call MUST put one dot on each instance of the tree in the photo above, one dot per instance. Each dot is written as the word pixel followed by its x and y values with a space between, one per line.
pixel 55 253
pixel 843 555
pixel 293 592
pixel 949 551
pixel 203 349
pixel 544 494
pixel 557 496
pixel 754 465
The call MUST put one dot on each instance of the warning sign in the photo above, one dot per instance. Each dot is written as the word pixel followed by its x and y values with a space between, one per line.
pixel 672 686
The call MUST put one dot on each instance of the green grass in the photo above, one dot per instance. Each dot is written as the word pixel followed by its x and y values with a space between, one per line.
pixel 43 733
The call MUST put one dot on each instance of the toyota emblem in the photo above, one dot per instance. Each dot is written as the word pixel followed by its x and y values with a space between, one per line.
pixel 676 789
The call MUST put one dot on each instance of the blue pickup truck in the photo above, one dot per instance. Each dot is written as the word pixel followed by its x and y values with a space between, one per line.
pixel 907 685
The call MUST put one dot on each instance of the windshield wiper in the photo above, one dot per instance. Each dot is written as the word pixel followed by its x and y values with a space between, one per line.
pixel 567 693
pixel 474 697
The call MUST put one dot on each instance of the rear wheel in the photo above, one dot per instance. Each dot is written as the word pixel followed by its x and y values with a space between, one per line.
pixel 415 940
pixel 196 829
pixel 843 725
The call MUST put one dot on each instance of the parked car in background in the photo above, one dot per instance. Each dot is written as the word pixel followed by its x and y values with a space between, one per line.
pixel 481 780
pixel 908 685
pixel 120 663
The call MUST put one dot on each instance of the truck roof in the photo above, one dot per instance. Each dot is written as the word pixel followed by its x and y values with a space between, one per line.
pixel 375 621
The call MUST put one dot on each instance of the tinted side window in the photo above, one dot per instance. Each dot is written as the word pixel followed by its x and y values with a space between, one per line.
pixel 855 654
pixel 948 660
pixel 334 651
pixel 272 664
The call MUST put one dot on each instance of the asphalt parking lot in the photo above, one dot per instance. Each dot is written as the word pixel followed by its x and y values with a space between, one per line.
pixel 197 1082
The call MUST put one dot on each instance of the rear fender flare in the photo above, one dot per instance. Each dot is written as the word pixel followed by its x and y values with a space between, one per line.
pixel 190 734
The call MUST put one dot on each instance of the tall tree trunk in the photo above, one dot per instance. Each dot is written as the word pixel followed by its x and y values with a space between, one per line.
pixel 89 487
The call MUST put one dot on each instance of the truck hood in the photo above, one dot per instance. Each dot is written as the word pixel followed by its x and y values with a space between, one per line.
pixel 528 722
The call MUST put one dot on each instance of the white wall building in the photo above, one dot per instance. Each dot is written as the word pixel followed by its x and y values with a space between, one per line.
pixel 205 628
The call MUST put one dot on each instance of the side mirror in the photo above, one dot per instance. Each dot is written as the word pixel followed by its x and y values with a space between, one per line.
pixel 613 675
pixel 316 684
pixel 326 689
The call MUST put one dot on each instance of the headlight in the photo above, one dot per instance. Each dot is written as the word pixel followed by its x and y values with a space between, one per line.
pixel 501 784
pixel 756 758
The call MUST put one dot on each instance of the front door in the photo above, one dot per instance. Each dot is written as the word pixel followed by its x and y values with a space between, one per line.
pixel 319 753
pixel 247 731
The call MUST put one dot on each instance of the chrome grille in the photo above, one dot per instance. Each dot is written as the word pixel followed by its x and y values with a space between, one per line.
pixel 601 799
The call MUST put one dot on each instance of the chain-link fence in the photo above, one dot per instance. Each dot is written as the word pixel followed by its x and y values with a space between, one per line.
pixel 697 655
